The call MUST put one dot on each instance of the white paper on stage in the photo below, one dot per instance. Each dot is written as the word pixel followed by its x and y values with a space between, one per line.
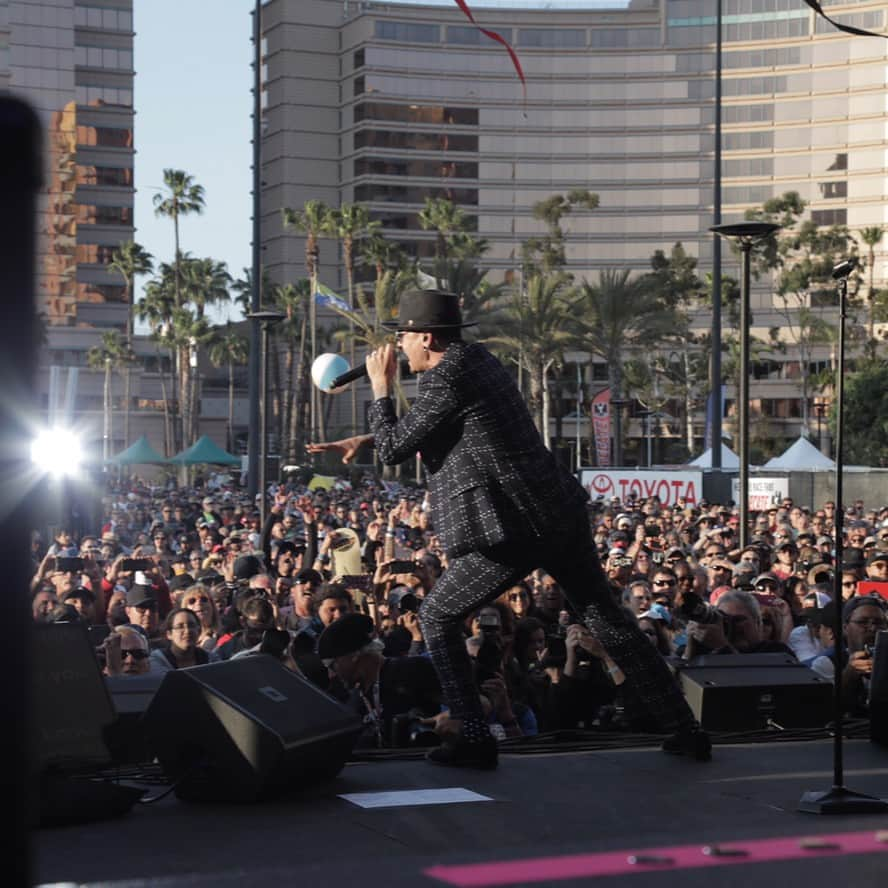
pixel 402 798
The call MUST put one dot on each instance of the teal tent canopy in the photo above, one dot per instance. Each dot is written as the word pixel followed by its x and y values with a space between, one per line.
pixel 205 451
pixel 139 453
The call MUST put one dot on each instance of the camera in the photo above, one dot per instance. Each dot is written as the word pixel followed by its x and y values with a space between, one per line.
pixel 72 565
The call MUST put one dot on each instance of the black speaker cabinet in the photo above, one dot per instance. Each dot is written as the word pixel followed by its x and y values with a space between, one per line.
pixel 735 697
pixel 71 705
pixel 878 693
pixel 246 729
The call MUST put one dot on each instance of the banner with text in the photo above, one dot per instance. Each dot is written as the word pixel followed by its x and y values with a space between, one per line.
pixel 601 425
pixel 763 492
pixel 668 486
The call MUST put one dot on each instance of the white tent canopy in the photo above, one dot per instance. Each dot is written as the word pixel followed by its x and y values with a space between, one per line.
pixel 730 460
pixel 800 456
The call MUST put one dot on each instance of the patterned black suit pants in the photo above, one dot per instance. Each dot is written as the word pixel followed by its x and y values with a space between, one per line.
pixel 478 578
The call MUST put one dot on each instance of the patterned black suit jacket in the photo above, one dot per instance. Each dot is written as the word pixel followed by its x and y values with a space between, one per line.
pixel 491 479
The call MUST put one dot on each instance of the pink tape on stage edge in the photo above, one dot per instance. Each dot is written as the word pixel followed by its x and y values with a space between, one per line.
pixel 616 863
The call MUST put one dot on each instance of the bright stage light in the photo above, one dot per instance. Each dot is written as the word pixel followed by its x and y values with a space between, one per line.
pixel 57 452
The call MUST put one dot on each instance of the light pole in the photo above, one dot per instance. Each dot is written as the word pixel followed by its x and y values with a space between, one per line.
pixel 715 400
pixel 617 405
pixel 746 234
pixel 820 408
pixel 253 369
pixel 265 320
pixel 839 799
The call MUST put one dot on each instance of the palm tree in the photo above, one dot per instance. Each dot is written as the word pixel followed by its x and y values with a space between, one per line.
pixel 348 222
pixel 204 282
pixel 618 314
pixel 156 309
pixel 230 349
pixel 444 218
pixel 292 301
pixel 186 334
pixel 129 259
pixel 184 196
pixel 871 237
pixel 313 221
pixel 112 353
pixel 537 325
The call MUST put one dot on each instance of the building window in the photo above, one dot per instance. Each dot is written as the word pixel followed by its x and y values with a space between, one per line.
pixel 431 114
pixel 840 163
pixel 376 192
pixel 105 137
pixel 407 32
pixel 96 175
pixel 549 38
pixel 359 86
pixel 420 169
pixel 826 218
pixel 358 58
pixel 469 36
pixel 92 215
pixel 415 141
pixel 833 189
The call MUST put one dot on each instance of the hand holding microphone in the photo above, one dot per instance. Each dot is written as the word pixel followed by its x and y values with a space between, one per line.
pixel 381 368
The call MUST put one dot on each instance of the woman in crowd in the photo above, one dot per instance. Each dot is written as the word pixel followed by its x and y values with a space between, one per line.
pixel 182 630
pixel 198 600
pixel 518 600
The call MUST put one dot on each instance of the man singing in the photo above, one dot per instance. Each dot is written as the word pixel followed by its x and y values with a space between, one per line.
pixel 501 506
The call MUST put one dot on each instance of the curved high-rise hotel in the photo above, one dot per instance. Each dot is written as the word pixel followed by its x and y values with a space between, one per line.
pixel 387 103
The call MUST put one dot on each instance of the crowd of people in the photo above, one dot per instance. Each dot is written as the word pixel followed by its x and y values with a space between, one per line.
pixel 332 583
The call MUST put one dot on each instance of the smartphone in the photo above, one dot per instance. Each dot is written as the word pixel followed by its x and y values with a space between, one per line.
pixel 651 530
pixel 363 582
pixel 75 565
pixel 136 564
pixel 765 598
pixel 402 567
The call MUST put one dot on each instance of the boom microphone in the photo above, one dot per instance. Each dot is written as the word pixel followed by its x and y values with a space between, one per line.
pixel 360 372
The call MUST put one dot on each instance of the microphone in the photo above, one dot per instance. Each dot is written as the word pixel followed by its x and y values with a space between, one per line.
pixel 360 372
pixel 843 269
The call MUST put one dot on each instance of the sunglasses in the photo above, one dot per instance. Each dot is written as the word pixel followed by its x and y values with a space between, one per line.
pixel 200 599
pixel 517 597
pixel 664 582
pixel 137 654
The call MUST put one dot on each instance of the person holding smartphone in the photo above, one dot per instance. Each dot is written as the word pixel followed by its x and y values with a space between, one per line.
pixel 501 506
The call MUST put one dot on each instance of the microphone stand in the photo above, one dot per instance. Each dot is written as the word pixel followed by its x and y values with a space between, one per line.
pixel 839 799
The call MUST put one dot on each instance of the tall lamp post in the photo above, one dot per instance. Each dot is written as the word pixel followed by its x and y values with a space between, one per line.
pixel 839 799
pixel 265 320
pixel 745 234
pixel 820 408
pixel 617 405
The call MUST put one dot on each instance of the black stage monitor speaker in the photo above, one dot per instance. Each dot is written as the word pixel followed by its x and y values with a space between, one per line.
pixel 878 692
pixel 246 729
pixel 131 696
pixel 72 707
pixel 747 692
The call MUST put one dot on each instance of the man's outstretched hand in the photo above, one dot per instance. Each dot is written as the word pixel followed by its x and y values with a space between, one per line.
pixel 348 447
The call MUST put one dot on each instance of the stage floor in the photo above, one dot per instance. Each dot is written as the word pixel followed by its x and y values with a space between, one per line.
pixel 587 812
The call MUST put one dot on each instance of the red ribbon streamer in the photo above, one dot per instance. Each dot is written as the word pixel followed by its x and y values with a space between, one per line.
pixel 499 39
pixel 848 29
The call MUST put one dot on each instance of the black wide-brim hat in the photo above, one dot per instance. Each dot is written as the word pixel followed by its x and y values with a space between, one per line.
pixel 428 310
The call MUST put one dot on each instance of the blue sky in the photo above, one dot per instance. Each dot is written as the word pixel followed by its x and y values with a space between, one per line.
pixel 193 106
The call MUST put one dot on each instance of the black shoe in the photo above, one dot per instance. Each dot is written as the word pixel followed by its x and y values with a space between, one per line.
pixel 692 742
pixel 459 754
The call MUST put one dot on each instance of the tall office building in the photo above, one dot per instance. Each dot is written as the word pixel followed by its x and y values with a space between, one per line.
pixel 389 102
pixel 73 61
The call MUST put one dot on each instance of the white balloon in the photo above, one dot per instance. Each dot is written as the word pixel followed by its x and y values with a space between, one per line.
pixel 325 368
